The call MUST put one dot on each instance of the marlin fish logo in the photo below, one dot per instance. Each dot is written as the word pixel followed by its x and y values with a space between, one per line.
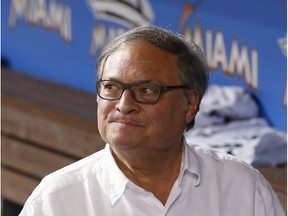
pixel 188 9
pixel 130 13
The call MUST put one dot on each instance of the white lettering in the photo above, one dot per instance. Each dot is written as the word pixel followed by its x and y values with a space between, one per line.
pixel 239 62
pixel 198 37
pixel 234 58
pixel 254 72
pixel 99 37
pixel 36 11
pixel 51 15
pixel 65 26
pixel 17 9
pixel 243 65
pixel 219 53
pixel 209 41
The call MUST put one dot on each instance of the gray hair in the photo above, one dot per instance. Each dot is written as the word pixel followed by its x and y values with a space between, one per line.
pixel 191 63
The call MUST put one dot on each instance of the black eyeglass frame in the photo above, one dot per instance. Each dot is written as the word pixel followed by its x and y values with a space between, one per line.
pixel 129 86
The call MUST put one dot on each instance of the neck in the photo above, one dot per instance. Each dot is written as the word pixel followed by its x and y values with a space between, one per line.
pixel 155 171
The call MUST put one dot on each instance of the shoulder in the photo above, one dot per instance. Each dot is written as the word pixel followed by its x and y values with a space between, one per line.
pixel 224 164
pixel 234 179
pixel 69 176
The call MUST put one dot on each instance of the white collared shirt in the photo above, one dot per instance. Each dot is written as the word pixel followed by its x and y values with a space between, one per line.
pixel 209 183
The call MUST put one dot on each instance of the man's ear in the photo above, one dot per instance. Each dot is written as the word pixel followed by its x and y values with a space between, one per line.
pixel 192 105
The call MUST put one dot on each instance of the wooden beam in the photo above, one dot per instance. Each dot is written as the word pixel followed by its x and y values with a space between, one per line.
pixel 31 160
pixel 16 187
pixel 62 132
pixel 277 177
pixel 48 94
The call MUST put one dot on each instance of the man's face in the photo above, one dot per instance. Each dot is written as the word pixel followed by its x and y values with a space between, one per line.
pixel 127 124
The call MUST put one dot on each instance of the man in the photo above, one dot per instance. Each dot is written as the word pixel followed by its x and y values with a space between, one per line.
pixel 150 84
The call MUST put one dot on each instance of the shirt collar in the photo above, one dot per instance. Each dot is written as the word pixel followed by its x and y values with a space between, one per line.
pixel 116 181
pixel 190 164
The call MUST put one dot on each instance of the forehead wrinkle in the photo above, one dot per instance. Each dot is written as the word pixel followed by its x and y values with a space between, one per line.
pixel 127 65
pixel 137 57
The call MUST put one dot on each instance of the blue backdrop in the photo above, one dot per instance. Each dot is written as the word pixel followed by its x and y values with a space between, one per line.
pixel 244 41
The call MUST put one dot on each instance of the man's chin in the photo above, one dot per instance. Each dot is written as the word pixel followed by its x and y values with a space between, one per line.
pixel 127 140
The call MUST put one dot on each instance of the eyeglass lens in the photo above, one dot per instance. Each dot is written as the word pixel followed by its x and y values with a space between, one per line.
pixel 113 90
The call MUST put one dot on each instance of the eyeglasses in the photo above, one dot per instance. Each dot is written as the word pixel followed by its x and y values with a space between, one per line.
pixel 142 92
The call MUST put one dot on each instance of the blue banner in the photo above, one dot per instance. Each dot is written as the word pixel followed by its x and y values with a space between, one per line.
pixel 244 41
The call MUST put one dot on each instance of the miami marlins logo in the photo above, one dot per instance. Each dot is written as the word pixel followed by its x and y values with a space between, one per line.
pixel 130 13
pixel 188 9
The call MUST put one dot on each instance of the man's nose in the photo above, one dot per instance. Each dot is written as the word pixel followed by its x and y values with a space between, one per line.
pixel 126 104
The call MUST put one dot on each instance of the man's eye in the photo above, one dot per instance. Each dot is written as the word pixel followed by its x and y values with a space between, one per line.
pixel 147 90
pixel 109 87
